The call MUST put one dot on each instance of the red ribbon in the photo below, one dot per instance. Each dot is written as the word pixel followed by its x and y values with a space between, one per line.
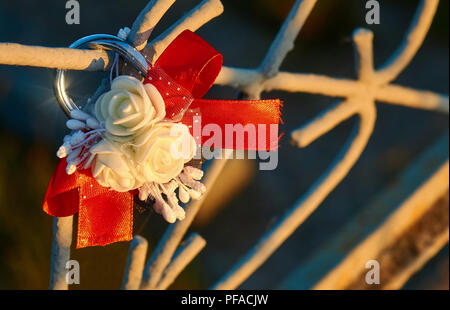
pixel 192 65
pixel 183 74
pixel 104 216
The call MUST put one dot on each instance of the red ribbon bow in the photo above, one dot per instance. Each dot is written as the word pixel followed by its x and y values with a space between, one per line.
pixel 183 74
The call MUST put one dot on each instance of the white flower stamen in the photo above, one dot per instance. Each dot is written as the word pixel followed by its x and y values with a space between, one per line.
pixel 77 138
pixel 80 115
pixel 64 150
pixel 75 124
pixel 71 168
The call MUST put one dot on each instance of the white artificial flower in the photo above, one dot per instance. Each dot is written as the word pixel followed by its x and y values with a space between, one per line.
pixel 129 108
pixel 112 168
pixel 162 151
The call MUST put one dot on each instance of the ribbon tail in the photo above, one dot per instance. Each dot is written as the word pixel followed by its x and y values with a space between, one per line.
pixel 105 216
pixel 235 124
pixel 184 72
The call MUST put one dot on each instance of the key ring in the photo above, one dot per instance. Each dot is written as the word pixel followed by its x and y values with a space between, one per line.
pixel 97 41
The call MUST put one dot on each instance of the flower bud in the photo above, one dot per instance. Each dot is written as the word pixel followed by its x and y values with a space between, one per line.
pixel 92 123
pixel 74 124
pixel 179 212
pixel 63 150
pixel 167 213
pixel 71 168
pixel 79 115
pixel 194 194
pixel 183 195
pixel 143 194
pixel 77 138
pixel 193 172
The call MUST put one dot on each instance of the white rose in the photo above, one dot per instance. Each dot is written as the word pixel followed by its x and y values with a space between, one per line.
pixel 128 108
pixel 112 168
pixel 162 151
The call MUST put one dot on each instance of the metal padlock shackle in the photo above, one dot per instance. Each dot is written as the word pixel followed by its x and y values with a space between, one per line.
pixel 98 41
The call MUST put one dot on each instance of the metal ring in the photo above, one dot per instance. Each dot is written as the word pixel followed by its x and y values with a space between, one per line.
pixel 98 41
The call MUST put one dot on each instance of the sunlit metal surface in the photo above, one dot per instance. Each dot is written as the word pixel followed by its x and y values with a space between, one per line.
pixel 98 41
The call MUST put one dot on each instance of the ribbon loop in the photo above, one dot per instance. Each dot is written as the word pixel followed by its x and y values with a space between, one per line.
pixel 191 62
pixel 177 98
